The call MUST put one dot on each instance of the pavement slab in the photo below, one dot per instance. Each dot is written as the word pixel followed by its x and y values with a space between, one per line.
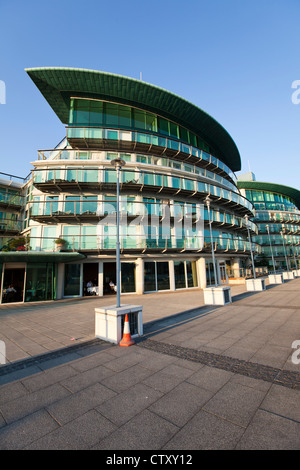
pixel 201 377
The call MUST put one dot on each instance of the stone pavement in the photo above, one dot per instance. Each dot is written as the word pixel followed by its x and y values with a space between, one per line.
pixel 207 378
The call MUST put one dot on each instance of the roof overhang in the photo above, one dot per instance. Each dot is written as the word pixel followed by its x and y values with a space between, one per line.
pixel 39 257
pixel 59 84
pixel 293 193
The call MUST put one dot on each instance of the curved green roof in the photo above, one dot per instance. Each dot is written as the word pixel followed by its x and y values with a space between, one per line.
pixel 293 193
pixel 58 84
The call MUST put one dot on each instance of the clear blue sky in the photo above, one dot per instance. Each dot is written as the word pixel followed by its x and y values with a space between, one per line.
pixel 235 59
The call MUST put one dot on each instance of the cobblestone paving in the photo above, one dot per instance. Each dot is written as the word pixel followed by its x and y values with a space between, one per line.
pixel 257 371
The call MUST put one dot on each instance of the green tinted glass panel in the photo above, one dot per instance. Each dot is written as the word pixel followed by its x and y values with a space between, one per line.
pixel 96 113
pixel 163 279
pixel 174 130
pixel 72 280
pixel 111 116
pixel 179 274
pixel 128 277
pixel 124 116
pixel 40 282
pixel 163 126
pixel 191 272
pixel 149 276
pixel 139 119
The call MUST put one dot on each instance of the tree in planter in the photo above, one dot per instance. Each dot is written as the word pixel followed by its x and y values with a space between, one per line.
pixel 17 244
pixel 60 243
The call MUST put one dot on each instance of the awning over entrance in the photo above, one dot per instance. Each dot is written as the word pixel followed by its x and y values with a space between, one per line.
pixel 39 257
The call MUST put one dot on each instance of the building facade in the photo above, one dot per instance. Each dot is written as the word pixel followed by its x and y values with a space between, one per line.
pixel 175 156
pixel 277 215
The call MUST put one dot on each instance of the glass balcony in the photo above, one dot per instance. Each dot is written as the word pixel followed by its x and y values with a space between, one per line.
pixel 143 141
pixel 84 178
pixel 76 240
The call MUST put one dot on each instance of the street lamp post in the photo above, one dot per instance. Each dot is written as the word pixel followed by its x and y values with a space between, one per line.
pixel 207 200
pixel 274 267
pixel 284 249
pixel 249 237
pixel 293 251
pixel 118 163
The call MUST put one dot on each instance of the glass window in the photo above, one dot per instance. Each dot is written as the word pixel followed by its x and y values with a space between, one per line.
pixel 191 272
pixel 72 280
pixel 71 235
pixel 96 113
pixel 82 112
pixel 163 278
pixel 40 282
pixel 174 130
pixel 124 116
pixel 184 135
pixel 163 126
pixel 111 115
pixel 49 235
pixel 139 119
pixel 89 204
pixel 127 277
pixel 179 274
pixel 34 241
pixel 51 205
pixel 149 276
pixel 72 205
pixel 151 122
pixel 89 237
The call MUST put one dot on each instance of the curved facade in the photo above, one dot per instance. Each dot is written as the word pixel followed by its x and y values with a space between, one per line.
pixel 277 215
pixel 175 156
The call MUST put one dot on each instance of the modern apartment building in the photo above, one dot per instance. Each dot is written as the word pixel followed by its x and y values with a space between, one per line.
pixel 277 215
pixel 175 157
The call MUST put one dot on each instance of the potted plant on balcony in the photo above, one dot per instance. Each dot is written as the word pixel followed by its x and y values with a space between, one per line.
pixel 60 244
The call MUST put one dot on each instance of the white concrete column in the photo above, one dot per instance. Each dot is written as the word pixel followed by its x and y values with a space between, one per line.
pixel 235 267
pixel 172 275
pixel 139 276
pixel 201 272
pixel 100 278
pixel 218 272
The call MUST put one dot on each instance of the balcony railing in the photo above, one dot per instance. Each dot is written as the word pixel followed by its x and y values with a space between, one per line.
pixel 84 178
pixel 61 210
pixel 143 243
pixel 144 142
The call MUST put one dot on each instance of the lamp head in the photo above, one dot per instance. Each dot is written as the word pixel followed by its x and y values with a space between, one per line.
pixel 118 162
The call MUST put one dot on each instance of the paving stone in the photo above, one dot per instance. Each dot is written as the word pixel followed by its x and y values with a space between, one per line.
pixel 146 431
pixel 19 408
pixel 79 403
pixel 181 403
pixel 210 379
pixel 283 401
pixel 129 403
pixel 80 434
pixel 229 403
pixel 12 391
pixel 50 377
pixel 19 434
pixel 268 431
pixel 205 432
pixel 121 381
pixel 85 379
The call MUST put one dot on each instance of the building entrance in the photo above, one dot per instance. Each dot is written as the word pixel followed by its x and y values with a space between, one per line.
pixel 109 278
pixel 13 284
pixel 90 279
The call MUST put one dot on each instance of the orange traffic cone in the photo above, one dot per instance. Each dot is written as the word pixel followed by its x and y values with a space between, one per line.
pixel 126 340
